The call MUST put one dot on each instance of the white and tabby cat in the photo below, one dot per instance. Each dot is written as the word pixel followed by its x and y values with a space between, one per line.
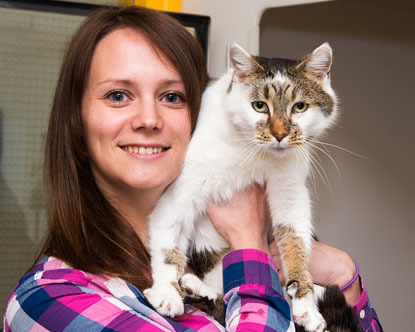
pixel 253 127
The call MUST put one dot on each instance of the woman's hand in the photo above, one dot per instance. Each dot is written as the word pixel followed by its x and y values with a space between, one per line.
pixel 243 222
pixel 329 266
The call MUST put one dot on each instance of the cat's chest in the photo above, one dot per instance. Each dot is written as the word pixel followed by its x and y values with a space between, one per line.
pixel 219 169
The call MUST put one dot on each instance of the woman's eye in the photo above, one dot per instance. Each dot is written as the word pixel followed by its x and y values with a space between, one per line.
pixel 117 96
pixel 260 106
pixel 173 98
pixel 300 107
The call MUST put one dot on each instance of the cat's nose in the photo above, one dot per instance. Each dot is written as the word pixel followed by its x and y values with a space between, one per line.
pixel 280 136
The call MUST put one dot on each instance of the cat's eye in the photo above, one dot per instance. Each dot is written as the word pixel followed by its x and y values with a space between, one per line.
pixel 260 106
pixel 300 107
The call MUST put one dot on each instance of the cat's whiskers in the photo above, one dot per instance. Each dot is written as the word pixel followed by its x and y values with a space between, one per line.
pixel 247 145
pixel 316 157
pixel 318 167
pixel 304 155
pixel 251 148
pixel 239 139
pixel 314 146
pixel 339 147
pixel 251 154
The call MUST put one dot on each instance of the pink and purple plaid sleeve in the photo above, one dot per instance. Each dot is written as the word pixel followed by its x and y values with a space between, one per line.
pixel 368 318
pixel 253 296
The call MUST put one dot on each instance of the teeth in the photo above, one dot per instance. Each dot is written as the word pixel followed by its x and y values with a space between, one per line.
pixel 142 149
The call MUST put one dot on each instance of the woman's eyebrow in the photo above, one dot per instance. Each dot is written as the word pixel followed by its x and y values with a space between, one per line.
pixel 118 81
pixel 169 82
pixel 126 82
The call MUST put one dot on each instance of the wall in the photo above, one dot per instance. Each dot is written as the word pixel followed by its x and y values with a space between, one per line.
pixel 232 21
pixel 370 212
pixel 31 48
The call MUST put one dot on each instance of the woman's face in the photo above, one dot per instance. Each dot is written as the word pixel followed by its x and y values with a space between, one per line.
pixel 135 116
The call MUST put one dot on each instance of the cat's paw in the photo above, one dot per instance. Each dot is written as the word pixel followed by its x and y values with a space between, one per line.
pixel 305 311
pixel 165 299
pixel 196 287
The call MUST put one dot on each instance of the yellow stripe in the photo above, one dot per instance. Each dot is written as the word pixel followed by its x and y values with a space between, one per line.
pixel 167 5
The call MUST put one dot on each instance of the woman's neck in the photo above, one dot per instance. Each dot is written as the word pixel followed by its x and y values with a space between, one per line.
pixel 135 207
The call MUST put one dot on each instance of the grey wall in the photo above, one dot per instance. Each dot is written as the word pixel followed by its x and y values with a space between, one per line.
pixel 370 211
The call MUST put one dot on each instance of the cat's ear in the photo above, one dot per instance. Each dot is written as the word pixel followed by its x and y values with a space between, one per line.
pixel 318 63
pixel 242 62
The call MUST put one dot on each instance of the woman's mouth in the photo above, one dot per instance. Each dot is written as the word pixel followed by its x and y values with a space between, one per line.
pixel 143 150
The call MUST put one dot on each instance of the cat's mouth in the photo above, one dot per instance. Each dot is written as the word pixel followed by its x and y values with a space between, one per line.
pixel 279 149
pixel 282 150
pixel 279 146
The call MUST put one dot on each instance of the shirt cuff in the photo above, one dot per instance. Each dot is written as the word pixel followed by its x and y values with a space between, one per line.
pixel 367 315
pixel 254 271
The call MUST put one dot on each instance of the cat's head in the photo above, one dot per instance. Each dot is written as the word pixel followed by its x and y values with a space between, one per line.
pixel 283 103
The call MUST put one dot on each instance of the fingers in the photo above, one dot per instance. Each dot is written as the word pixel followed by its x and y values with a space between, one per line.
pixel 275 254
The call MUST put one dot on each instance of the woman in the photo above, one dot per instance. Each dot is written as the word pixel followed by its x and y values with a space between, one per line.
pixel 125 105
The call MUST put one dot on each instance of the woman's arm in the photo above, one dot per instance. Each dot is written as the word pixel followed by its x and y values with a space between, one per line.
pixel 54 298
pixel 252 292
pixel 244 223
pixel 253 295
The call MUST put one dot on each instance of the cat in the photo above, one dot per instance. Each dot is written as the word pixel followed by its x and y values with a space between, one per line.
pixel 256 125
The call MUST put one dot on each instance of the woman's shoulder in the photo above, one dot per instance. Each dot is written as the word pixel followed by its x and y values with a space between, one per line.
pixel 52 286
pixel 51 270
pixel 54 272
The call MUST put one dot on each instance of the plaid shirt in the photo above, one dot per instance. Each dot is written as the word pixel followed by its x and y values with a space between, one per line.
pixel 54 297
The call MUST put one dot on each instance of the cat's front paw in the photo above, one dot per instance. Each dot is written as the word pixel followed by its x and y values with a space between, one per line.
pixel 165 299
pixel 305 310
pixel 196 287
pixel 306 314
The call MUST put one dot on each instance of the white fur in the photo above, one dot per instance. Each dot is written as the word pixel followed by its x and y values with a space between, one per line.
pixel 197 286
pixel 305 313
pixel 219 163
pixel 214 279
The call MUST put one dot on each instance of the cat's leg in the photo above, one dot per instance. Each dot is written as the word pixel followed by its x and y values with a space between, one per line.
pixel 168 262
pixel 295 259
pixel 166 295
pixel 206 261
pixel 291 217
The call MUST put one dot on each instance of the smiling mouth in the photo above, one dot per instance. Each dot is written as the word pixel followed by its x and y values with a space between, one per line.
pixel 143 149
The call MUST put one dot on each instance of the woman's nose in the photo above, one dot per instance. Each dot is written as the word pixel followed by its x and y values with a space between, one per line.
pixel 147 116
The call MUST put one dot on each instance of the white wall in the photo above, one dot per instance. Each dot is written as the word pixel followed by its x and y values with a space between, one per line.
pixel 232 21
pixel 370 213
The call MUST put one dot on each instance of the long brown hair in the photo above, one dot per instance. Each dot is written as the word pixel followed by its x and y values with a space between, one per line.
pixel 84 229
